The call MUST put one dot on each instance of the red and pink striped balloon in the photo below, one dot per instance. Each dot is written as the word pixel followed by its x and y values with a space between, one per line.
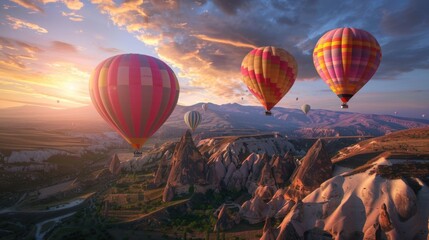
pixel 135 94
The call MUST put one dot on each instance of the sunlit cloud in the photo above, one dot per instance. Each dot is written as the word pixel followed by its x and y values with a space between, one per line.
pixel 225 41
pixel 73 16
pixel 151 40
pixel 70 4
pixel 17 23
pixel 15 53
pixel 28 4
pixel 73 4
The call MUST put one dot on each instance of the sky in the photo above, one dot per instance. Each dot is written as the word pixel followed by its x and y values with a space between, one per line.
pixel 50 47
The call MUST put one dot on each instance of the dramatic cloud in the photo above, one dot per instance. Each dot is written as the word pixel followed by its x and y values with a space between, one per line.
pixel 17 23
pixel 206 40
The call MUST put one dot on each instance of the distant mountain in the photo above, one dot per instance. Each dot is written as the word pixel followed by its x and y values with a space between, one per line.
pixel 236 119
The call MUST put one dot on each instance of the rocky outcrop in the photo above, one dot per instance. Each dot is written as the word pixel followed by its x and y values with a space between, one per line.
pixel 115 165
pixel 288 232
pixel 162 172
pixel 266 176
pixel 188 167
pixel 168 193
pixel 361 205
pixel 400 170
pixel 384 219
pixel 254 210
pixel 227 218
pixel 283 168
pixel 269 232
pixel 275 173
pixel 287 229
pixel 315 168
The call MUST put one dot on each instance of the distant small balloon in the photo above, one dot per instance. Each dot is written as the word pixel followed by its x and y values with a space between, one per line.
pixel 192 119
pixel 423 115
pixel 58 101
pixel 297 99
pixel 305 108
pixel 395 113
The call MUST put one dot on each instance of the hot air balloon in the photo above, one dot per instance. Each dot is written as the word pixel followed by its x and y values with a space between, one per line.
pixel 346 59
pixel 134 94
pixel 423 115
pixel 269 73
pixel 204 106
pixel 58 101
pixel 305 108
pixel 192 119
pixel 296 99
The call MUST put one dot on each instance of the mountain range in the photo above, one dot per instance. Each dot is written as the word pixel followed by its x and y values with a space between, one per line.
pixel 229 119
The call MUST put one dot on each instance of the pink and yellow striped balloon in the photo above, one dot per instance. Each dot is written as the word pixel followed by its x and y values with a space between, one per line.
pixel 135 94
pixel 269 73
pixel 346 59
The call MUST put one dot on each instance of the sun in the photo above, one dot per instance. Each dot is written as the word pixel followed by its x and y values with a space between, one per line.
pixel 71 87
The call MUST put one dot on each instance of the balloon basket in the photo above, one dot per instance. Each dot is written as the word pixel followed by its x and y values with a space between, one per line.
pixel 268 113
pixel 344 106
pixel 137 154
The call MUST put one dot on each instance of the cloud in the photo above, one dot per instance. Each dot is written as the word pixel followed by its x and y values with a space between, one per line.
pixel 231 7
pixel 207 40
pixel 28 4
pixel 63 47
pixel 15 53
pixel 70 4
pixel 17 23
pixel 53 71
pixel 225 41
pixel 73 16
pixel 411 18
pixel 73 4
pixel 109 50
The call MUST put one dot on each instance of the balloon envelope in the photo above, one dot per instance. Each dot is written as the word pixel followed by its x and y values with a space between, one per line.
pixel 305 108
pixel 269 73
pixel 134 94
pixel 346 59
pixel 192 119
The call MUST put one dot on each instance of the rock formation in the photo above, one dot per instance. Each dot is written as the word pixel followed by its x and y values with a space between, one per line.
pixel 115 165
pixel 254 210
pixel 268 232
pixel 162 172
pixel 315 168
pixel 188 168
pixel 227 218
pixel 283 168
